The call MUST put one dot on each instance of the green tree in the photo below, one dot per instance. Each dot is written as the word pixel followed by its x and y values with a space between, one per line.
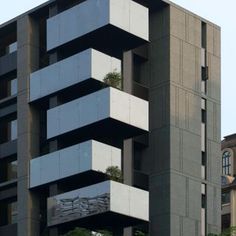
pixel 228 232
pixel 104 232
pixel 113 79
pixel 139 233
pixel 79 232
pixel 85 232
pixel 114 173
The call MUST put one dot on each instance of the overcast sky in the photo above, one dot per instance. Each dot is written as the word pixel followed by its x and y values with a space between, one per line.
pixel 213 10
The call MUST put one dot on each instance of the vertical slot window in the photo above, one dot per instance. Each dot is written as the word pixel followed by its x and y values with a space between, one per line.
pixel 8 212
pixel 203 209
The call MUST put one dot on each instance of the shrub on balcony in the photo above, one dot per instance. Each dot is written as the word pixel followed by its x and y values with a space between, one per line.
pixel 114 173
pixel 228 232
pixel 85 232
pixel 113 79
pixel 139 233
pixel 79 232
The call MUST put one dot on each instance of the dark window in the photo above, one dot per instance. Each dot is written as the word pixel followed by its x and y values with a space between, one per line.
pixel 203 201
pixel 203 116
pixel 8 212
pixel 226 163
pixel 204 35
pixel 204 73
pixel 225 198
pixel 225 221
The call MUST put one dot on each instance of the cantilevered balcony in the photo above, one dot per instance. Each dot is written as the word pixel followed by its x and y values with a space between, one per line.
pixel 90 156
pixel 105 204
pixel 107 112
pixel 114 24
pixel 83 71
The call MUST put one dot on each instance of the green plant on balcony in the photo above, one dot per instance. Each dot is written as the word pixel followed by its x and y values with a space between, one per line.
pixel 139 233
pixel 228 232
pixel 113 79
pixel 85 232
pixel 114 173
pixel 78 232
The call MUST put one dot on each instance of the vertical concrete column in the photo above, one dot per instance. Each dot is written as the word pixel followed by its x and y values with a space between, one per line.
pixel 128 143
pixel 53 102
pixel 53 190
pixel 28 126
pixel 232 206
pixel 53 146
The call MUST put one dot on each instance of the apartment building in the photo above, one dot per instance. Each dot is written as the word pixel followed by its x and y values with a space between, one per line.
pixel 228 146
pixel 62 126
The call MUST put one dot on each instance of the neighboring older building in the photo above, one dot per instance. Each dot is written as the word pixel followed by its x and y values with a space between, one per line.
pixel 228 146
pixel 62 126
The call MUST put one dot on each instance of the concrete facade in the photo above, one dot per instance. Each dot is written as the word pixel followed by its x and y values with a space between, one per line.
pixel 165 121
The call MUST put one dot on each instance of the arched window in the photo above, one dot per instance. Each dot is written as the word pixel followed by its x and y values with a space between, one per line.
pixel 226 163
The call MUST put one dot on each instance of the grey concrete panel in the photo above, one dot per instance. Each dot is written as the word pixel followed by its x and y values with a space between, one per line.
pixel 214 163
pixel 159 23
pixel 177 22
pixel 214 212
pixel 189 227
pixel 194 201
pixel 214 63
pixel 159 190
pixel 193 30
pixel 190 60
pixel 178 194
pixel 191 154
pixel 160 225
pixel 159 107
pixel 28 138
pixel 159 64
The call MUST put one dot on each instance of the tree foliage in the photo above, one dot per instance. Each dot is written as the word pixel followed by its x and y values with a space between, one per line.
pixel 113 79
pixel 139 233
pixel 114 173
pixel 228 232
pixel 79 232
pixel 85 232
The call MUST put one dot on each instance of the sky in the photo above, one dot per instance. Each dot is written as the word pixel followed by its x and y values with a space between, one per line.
pixel 223 14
